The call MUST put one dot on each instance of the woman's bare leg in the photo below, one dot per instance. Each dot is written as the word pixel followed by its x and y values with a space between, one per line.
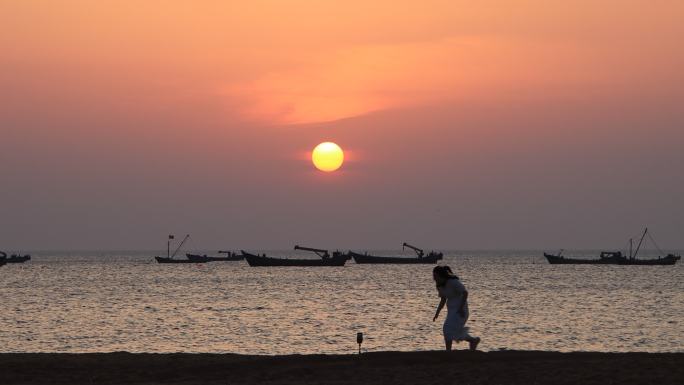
pixel 473 341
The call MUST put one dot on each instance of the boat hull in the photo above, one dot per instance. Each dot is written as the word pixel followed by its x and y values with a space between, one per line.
pixel 664 261
pixel 661 261
pixel 205 258
pixel 175 261
pixel 372 259
pixel 256 260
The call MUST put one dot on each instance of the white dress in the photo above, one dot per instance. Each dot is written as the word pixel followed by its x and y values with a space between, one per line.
pixel 454 328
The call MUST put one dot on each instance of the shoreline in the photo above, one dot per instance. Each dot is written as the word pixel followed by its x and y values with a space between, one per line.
pixel 429 367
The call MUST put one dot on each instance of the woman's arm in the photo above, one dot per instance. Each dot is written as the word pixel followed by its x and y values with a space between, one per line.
pixel 464 301
pixel 439 308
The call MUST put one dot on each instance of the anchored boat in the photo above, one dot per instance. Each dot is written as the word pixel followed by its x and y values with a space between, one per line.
pixel 14 258
pixel 337 259
pixel 170 257
pixel 421 258
pixel 617 258
pixel 606 258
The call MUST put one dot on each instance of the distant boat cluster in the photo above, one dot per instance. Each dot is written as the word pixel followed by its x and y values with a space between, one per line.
pixel 337 258
pixel 14 258
pixel 325 258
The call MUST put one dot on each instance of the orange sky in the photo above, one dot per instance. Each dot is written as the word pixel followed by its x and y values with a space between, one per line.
pixel 122 106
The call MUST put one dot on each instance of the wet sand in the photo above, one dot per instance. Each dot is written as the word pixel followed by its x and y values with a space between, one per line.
pixel 502 367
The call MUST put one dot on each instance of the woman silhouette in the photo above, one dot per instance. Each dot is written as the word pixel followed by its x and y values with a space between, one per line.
pixel 455 296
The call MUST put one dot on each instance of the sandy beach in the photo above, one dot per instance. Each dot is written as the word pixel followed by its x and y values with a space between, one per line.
pixel 501 367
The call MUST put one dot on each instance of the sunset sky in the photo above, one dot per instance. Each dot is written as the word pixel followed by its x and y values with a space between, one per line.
pixel 465 124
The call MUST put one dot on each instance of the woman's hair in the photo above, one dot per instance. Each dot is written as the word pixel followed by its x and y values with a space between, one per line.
pixel 444 272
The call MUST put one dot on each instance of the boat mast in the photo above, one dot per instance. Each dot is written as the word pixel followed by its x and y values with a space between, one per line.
pixel 640 240
pixel 631 241
pixel 181 245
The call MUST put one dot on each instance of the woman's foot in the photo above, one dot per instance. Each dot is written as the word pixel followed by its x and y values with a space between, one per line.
pixel 473 343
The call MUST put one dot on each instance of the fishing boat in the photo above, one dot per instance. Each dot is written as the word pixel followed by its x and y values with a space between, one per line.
pixel 337 259
pixel 606 258
pixel 3 259
pixel 229 256
pixel 17 258
pixel 170 258
pixel 617 258
pixel 431 258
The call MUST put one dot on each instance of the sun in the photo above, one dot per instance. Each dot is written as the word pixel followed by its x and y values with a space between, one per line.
pixel 327 156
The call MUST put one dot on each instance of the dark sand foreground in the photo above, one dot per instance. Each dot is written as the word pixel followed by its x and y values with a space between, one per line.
pixel 503 367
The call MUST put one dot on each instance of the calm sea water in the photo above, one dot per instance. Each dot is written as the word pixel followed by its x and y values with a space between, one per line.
pixel 101 302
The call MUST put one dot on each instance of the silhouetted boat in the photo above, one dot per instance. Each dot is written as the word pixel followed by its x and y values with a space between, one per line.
pixel 612 258
pixel 616 257
pixel 606 258
pixel 3 259
pixel 17 258
pixel 170 257
pixel 337 259
pixel 432 257
pixel 14 258
pixel 230 256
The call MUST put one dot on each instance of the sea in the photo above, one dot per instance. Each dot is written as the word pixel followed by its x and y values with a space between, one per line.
pixel 124 301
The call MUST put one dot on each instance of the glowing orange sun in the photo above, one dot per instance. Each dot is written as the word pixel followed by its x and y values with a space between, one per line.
pixel 327 156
